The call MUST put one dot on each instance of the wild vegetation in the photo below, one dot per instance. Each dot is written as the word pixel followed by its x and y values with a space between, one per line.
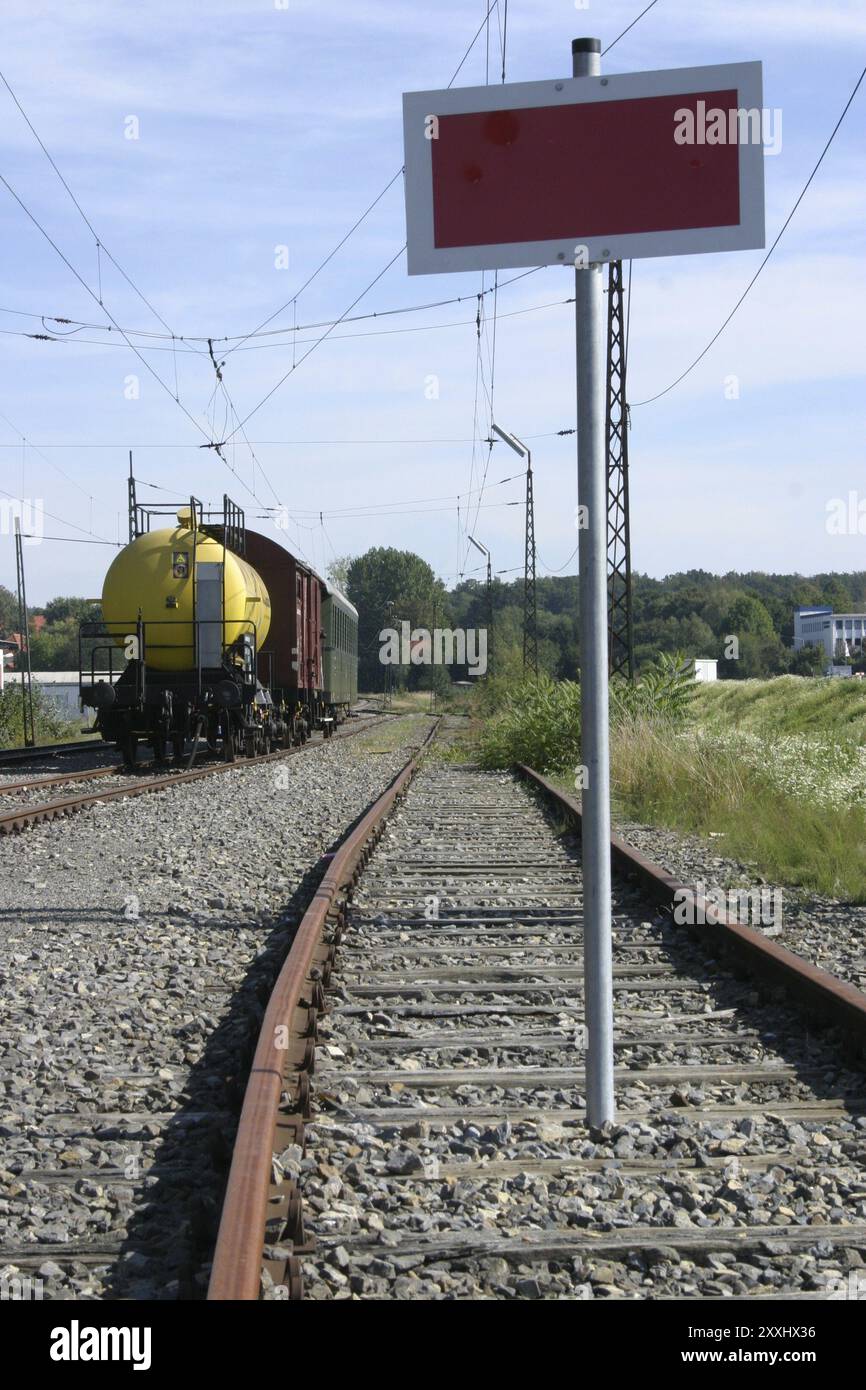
pixel 774 771
pixel 49 723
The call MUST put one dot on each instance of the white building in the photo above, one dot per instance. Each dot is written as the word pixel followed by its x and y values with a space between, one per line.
pixel 838 633
pixel 705 668
pixel 60 688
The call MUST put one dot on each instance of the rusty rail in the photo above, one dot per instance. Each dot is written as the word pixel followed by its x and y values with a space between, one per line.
pixel 57 779
pixel 820 991
pixel 283 1060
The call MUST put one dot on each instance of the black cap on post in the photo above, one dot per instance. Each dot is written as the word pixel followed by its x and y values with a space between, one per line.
pixel 586 45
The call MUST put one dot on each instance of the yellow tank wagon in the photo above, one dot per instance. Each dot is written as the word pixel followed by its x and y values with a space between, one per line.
pixel 162 575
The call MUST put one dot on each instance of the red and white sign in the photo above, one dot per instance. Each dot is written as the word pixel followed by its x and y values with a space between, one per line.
pixel 635 164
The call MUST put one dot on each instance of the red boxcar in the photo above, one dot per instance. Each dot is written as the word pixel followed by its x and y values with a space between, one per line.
pixel 290 661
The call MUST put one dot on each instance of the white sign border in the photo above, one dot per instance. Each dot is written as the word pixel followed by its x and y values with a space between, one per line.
pixel 424 258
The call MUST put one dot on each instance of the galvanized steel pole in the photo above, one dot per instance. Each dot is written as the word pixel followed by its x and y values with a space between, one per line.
pixel 595 751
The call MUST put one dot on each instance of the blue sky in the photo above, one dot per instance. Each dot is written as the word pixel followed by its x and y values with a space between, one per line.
pixel 262 127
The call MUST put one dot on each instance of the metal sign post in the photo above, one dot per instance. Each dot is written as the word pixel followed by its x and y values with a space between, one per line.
pixel 594 737
pixel 584 171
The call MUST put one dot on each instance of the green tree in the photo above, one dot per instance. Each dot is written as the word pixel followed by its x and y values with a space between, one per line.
pixel 748 614
pixel 338 571
pixel 8 612
pixel 389 587
pixel 78 610
pixel 808 661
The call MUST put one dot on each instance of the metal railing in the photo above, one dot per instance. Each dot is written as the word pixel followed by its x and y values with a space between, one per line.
pixel 106 650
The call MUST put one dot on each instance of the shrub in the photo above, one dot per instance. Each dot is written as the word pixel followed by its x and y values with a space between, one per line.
pixel 48 720
pixel 539 724
pixel 539 721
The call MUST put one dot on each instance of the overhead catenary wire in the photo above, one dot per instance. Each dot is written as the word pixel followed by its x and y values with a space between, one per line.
pixel 419 511
pixel 387 267
pixel 272 332
pixel 479 367
pixel 80 278
pixel 100 244
pixel 701 355
pixel 71 540
pixel 61 519
pixel 74 340
pixel 262 443
pixel 316 344
pixel 322 264
pixel 38 452
pixel 98 296
pixel 629 27
pixel 79 324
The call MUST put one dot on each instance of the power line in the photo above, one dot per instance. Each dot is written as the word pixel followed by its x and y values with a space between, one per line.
pixel 99 299
pixel 559 568
pixel 312 349
pixel 402 502
pixel 99 243
pixel 418 511
pixel 629 26
pixel 62 520
pixel 322 265
pixel 282 443
pixel 784 227
pixel 50 462
pixel 72 339
pixel 364 214
pixel 78 324
pixel 479 364
pixel 71 540
pixel 105 310
pixel 475 37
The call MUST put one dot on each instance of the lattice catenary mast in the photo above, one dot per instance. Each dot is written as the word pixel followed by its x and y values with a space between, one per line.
pixel 619 592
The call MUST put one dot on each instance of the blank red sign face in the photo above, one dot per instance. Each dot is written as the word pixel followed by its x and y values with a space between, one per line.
pixel 601 168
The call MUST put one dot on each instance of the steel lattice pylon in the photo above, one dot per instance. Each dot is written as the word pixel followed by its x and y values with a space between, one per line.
pixel 619 598
pixel 29 724
pixel 530 612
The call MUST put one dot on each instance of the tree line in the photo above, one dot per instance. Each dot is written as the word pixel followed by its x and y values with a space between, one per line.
pixel 694 612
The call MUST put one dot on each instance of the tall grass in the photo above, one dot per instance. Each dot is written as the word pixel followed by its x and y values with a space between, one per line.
pixel 538 722
pixel 670 766
pixel 692 784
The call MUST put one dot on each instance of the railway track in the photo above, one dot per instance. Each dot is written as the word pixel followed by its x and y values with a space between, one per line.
pixel 29 807
pixel 414 1124
pixel 12 757
pixel 124 1034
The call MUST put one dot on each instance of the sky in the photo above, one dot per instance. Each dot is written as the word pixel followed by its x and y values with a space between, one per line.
pixel 221 149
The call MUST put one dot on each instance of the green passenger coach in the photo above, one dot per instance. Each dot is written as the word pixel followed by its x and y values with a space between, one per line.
pixel 340 651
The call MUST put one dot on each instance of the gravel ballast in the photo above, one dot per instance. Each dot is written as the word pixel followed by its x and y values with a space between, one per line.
pixel 138 944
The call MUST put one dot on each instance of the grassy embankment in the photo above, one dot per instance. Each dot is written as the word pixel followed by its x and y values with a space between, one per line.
pixel 774 770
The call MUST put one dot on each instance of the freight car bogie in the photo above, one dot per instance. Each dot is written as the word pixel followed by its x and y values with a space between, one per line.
pixel 173 720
